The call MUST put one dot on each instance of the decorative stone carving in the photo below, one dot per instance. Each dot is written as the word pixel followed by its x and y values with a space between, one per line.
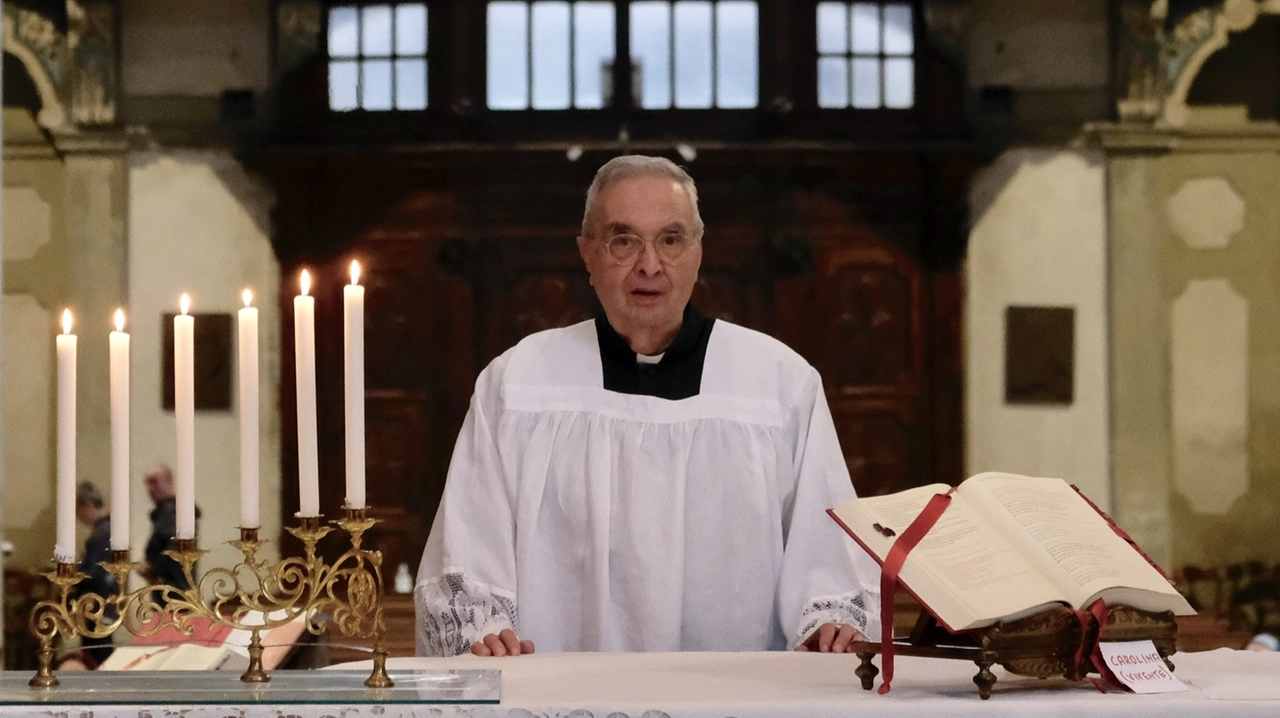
pixel 1206 212
pixel 1157 63
pixel 1209 346
pixel 35 41
pixel 92 78
pixel 298 24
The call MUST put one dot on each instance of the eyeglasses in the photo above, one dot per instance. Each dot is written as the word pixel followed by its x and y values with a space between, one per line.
pixel 627 248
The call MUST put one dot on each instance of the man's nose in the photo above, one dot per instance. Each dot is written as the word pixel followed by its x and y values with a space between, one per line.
pixel 649 262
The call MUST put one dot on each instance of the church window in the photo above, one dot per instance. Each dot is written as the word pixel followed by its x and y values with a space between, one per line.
pixel 686 54
pixel 549 55
pixel 866 55
pixel 378 57
pixel 695 55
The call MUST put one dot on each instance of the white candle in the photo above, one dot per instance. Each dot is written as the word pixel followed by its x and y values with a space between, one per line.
pixel 119 435
pixel 248 412
pixel 184 412
pixel 64 549
pixel 304 331
pixel 353 344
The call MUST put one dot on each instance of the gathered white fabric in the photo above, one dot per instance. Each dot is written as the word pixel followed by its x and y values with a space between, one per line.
pixel 620 522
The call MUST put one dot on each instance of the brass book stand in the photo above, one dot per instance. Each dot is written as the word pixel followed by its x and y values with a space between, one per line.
pixel 346 593
pixel 1044 645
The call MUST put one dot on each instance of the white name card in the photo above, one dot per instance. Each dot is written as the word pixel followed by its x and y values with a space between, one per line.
pixel 1138 665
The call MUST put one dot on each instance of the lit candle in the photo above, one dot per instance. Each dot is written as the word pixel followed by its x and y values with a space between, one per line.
pixel 64 550
pixel 304 331
pixel 353 343
pixel 248 324
pixel 184 412
pixel 119 435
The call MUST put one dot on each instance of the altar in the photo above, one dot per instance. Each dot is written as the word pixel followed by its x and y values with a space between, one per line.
pixel 697 685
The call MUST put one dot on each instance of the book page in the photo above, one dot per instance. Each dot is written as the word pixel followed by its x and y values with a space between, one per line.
pixel 1073 544
pixel 963 570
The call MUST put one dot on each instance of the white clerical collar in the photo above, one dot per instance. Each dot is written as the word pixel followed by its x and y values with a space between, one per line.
pixel 649 358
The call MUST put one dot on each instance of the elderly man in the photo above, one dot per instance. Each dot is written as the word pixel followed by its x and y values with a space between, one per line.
pixel 652 480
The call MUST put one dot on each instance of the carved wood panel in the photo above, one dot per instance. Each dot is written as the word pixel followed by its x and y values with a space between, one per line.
pixel 858 317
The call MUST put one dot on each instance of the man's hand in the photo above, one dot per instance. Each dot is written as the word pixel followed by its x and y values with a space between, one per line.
pixel 831 638
pixel 506 643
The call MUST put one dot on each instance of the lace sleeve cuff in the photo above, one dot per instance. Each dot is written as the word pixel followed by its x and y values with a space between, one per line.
pixel 860 610
pixel 453 612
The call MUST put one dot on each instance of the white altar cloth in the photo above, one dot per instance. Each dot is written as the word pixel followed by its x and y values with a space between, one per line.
pixel 751 685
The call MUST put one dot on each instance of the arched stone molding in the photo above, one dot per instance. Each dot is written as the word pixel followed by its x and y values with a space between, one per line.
pixel 1196 37
pixel 52 113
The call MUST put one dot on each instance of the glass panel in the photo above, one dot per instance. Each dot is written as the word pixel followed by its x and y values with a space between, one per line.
pixel 866 83
pixel 411 84
pixel 833 24
pixel 508 56
pixel 651 49
pixel 375 84
pixel 865 28
pixel 344 26
pixel 324 689
pixel 693 54
pixel 344 77
pixel 737 54
pixel 899 83
pixel 898 39
pixel 833 82
pixel 593 31
pixel 411 30
pixel 375 31
pixel 550 55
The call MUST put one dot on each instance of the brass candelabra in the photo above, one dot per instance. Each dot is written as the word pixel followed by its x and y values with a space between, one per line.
pixel 346 593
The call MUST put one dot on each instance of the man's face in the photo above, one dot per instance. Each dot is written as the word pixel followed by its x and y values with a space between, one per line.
pixel 159 487
pixel 648 294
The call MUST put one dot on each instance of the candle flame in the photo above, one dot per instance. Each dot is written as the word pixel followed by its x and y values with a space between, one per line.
pixel 185 303
pixel 248 298
pixel 355 272
pixel 66 321
pixel 306 282
pixel 119 320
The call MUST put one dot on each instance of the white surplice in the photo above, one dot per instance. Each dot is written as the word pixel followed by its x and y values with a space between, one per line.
pixel 593 520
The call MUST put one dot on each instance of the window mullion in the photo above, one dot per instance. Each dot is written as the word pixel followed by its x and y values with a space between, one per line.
pixel 715 80
pixel 528 47
pixel 621 64
pixel 395 96
pixel 849 58
pixel 671 50
pixel 360 57
pixel 884 76
pixel 573 56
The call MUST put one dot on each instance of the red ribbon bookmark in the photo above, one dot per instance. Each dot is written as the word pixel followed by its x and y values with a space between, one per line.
pixel 918 529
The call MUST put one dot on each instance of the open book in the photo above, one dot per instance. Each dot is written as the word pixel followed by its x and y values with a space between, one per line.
pixel 211 646
pixel 1008 546
pixel 182 657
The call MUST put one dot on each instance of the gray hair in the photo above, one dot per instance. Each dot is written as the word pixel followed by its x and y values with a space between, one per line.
pixel 88 495
pixel 635 166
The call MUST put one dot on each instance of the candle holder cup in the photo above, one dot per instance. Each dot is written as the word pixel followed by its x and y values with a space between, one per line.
pixel 252 595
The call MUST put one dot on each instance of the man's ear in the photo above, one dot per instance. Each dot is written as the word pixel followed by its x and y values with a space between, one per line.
pixel 583 244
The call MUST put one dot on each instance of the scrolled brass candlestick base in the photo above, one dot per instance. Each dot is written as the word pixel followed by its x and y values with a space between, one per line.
pixel 253 595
